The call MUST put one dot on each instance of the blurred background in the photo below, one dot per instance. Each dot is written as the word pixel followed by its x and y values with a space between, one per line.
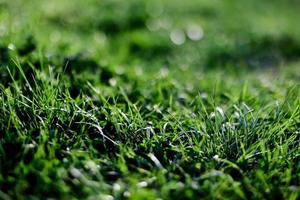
pixel 197 34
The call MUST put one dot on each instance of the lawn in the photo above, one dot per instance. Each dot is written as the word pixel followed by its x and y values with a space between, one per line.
pixel 162 99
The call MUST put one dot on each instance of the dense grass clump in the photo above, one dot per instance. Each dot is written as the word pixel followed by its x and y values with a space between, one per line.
pixel 149 100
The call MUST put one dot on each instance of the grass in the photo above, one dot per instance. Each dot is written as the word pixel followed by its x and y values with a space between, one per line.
pixel 97 102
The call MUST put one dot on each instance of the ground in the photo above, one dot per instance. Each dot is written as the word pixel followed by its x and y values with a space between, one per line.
pixel 145 99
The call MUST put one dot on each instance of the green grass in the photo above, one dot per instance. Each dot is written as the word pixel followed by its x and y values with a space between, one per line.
pixel 97 102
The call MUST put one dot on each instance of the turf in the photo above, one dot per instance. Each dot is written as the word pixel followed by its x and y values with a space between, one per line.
pixel 149 99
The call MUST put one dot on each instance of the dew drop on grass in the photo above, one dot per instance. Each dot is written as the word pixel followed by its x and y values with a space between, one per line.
pixel 116 187
pixel 194 32
pixel 138 71
pixel 203 95
pixel 180 184
pixel 112 82
pixel 164 72
pixel 91 166
pixel 236 115
pixel 30 146
pixel 120 70
pixel 75 172
pixel 100 38
pixel 220 111
pixel 11 47
pixel 216 157
pixel 177 36
pixel 142 184
pixel 195 185
pixel 127 194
